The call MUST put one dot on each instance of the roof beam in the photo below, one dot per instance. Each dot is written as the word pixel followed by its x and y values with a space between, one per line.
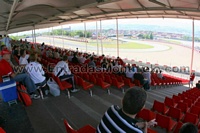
pixel 11 13
pixel 169 4
pixel 141 4
pixel 158 3
pixel 198 4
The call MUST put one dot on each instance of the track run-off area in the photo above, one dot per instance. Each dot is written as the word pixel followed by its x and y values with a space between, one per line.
pixel 162 53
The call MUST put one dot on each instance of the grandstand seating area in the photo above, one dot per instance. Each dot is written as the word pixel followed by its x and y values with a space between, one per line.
pixel 171 113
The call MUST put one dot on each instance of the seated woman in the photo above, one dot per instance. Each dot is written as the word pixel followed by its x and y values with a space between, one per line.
pixel 23 60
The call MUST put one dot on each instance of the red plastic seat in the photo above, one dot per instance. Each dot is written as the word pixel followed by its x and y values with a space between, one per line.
pixel 146 114
pixel 85 85
pixel 169 102
pixel 176 98
pixel 92 79
pixel 183 106
pixel 175 113
pixel 137 82
pixel 195 110
pixel 127 81
pixel 197 104
pixel 2 130
pixel 178 126
pixel 188 101
pixel 165 122
pixel 189 117
pixel 160 107
pixel 85 129
pixel 62 84
pixel 119 85
pixel 103 84
pixel 149 130
pixel 108 79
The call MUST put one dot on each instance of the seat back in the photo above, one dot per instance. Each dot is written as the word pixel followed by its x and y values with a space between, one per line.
pixel 169 102
pixel 178 126
pixel 114 82
pixel 92 79
pixel 163 121
pixel 188 101
pixel 176 98
pixel 69 128
pixel 80 81
pixel 2 131
pixel 174 113
pixel 189 117
pixel 100 82
pixel 158 106
pixel 195 110
pixel 182 106
pixel 108 79
pixel 137 82
pixel 146 114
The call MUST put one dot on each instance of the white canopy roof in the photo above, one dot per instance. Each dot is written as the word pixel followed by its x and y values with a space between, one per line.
pixel 21 15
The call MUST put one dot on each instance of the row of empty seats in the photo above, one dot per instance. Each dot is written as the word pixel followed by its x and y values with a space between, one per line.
pixel 175 111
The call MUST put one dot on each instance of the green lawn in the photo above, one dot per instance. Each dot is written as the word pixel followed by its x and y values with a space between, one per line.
pixel 172 41
pixel 109 43
pixel 129 45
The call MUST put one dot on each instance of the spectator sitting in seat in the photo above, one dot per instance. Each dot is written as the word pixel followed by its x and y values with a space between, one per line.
pixel 23 60
pixel 109 66
pixel 16 51
pixel 147 75
pixel 75 59
pixel 117 120
pixel 198 84
pixel 6 69
pixel 92 63
pixel 134 68
pixel 104 64
pixel 82 59
pixel 56 54
pixel 129 73
pixel 160 75
pixel 138 76
pixel 36 72
pixel 62 71
pixel 188 128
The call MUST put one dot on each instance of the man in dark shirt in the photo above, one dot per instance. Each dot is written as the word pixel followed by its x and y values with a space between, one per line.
pixel 144 82
pixel 75 59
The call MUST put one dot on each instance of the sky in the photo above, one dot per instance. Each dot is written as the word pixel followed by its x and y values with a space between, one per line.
pixel 166 22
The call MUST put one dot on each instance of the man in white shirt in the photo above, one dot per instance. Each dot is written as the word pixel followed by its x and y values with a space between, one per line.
pixel 62 71
pixel 36 72
pixel 23 60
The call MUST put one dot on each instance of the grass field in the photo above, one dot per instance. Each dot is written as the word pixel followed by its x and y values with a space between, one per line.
pixel 172 41
pixel 123 45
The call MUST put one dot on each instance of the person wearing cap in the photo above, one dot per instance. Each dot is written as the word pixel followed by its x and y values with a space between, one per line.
pixel 6 69
pixel 62 71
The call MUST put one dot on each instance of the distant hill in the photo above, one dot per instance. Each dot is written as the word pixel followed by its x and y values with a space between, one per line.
pixel 182 29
